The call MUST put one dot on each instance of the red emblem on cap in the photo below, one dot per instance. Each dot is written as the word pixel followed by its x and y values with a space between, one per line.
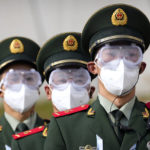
pixel 70 42
pixel 119 16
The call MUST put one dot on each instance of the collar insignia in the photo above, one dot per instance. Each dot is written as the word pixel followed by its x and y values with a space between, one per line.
pixel 146 113
pixel 16 46
pixel 70 43
pixel 45 132
pixel 91 112
pixel 1 128
pixel 119 17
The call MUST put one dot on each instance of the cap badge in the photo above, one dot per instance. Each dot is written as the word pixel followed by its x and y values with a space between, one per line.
pixel 119 17
pixel 16 46
pixel 70 43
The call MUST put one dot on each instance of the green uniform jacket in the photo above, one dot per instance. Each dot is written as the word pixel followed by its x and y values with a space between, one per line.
pixel 30 142
pixel 6 132
pixel 75 131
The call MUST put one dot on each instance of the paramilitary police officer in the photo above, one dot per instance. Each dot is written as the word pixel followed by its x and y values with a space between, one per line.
pixel 64 65
pixel 19 87
pixel 116 37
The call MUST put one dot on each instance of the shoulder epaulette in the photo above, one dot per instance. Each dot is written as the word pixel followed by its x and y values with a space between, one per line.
pixel 28 132
pixel 71 111
pixel 1 128
pixel 148 105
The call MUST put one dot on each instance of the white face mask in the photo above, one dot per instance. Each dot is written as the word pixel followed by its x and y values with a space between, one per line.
pixel 121 80
pixel 22 100
pixel 69 97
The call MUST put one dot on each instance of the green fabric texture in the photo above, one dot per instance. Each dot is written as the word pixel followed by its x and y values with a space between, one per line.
pixel 53 51
pixel 6 133
pixel 79 129
pixel 29 53
pixel 100 26
pixel 30 142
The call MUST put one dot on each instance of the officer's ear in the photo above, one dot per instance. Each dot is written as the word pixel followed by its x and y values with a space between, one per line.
pixel 48 92
pixel 92 68
pixel 91 91
pixel 2 91
pixel 1 94
pixel 142 67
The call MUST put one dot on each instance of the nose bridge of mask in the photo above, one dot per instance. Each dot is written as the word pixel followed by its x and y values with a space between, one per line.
pixel 68 90
pixel 121 71
pixel 32 98
pixel 121 66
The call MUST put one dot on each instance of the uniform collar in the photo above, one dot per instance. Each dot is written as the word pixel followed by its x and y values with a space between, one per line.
pixel 109 107
pixel 30 122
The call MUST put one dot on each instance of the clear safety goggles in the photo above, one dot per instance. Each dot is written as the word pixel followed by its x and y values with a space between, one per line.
pixel 111 55
pixel 30 78
pixel 61 78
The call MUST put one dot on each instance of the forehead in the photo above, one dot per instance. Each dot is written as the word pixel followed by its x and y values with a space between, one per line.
pixel 64 72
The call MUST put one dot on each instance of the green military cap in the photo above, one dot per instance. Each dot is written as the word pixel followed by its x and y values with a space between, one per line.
pixel 16 49
pixel 60 51
pixel 114 23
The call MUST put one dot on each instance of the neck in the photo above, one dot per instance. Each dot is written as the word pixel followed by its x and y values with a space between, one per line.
pixel 55 110
pixel 119 101
pixel 18 116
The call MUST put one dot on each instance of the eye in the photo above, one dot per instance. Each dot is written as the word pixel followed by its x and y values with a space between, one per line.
pixel 132 57
pixel 29 79
pixel 108 56
pixel 13 79
pixel 78 81
pixel 59 81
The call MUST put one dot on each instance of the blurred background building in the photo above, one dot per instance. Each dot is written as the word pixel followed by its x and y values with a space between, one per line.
pixel 42 19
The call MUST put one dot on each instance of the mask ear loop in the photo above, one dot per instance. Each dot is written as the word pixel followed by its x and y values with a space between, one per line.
pixel 113 103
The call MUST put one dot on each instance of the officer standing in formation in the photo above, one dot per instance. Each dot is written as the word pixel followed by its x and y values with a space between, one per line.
pixel 19 87
pixel 62 62
pixel 116 37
